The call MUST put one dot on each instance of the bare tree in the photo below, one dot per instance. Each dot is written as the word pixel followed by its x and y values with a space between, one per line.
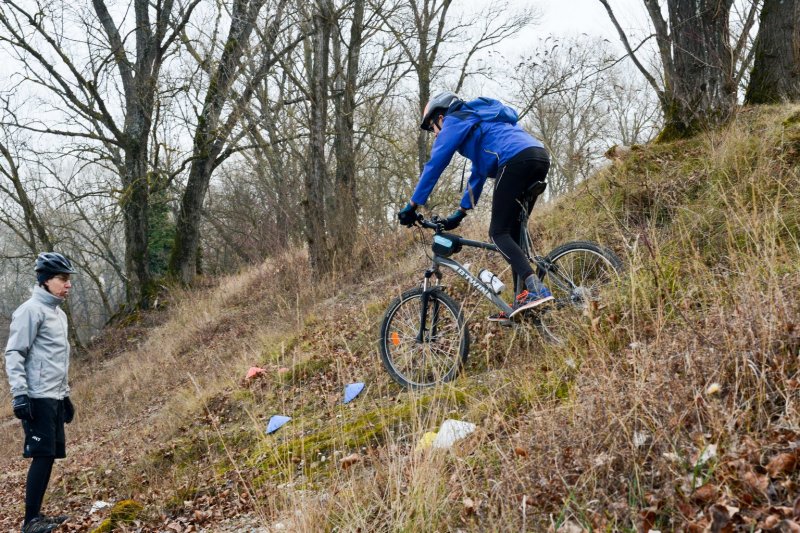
pixel 212 137
pixel 88 93
pixel 698 61
pixel 43 218
pixel 317 54
pixel 422 28
pixel 345 201
pixel 578 99
pixel 776 71
pixel 567 110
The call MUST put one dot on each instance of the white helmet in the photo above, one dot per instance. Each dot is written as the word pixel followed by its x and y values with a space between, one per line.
pixel 441 102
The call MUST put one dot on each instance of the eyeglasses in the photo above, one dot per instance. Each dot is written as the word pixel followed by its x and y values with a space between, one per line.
pixel 432 126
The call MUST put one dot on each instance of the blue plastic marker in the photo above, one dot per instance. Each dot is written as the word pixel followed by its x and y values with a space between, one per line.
pixel 351 391
pixel 276 422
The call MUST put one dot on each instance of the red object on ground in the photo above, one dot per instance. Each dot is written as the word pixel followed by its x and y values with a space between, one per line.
pixel 255 371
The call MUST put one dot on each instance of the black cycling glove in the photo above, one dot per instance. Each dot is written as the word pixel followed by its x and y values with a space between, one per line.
pixel 408 215
pixel 454 220
pixel 69 410
pixel 22 407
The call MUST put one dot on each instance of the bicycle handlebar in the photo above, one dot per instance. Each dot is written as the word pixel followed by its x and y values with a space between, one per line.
pixel 434 224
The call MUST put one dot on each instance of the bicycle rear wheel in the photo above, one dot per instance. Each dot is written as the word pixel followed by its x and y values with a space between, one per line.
pixel 578 274
pixel 417 354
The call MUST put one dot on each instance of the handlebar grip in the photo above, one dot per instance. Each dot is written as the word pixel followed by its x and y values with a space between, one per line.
pixel 428 224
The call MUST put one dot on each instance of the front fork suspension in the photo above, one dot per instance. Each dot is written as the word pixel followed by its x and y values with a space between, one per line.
pixel 423 312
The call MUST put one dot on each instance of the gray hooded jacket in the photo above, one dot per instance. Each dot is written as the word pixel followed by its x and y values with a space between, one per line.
pixel 37 354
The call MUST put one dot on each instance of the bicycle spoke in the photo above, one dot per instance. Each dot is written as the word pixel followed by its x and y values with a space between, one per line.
pixel 429 358
pixel 578 274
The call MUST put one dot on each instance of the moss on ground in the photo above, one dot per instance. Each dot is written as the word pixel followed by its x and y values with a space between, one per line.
pixel 367 428
pixel 123 512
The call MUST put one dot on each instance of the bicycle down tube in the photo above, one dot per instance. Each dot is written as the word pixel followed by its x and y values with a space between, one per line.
pixel 477 284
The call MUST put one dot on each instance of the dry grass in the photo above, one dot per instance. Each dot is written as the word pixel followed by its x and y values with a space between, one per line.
pixel 604 433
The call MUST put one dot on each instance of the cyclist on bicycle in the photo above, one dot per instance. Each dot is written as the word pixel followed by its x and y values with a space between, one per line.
pixel 486 132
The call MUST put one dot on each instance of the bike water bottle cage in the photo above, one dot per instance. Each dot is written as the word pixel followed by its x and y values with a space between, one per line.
pixel 445 244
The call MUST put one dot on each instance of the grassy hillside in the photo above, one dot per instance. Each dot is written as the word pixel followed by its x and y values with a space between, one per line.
pixel 675 407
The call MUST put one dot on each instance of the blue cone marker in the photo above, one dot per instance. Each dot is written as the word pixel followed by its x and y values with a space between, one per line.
pixel 351 391
pixel 276 422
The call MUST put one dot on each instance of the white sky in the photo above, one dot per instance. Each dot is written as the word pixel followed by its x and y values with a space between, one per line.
pixel 564 18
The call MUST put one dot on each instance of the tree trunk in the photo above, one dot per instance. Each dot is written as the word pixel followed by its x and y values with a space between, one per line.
pixel 209 139
pixel 698 62
pixel 184 258
pixel 135 208
pixel 345 216
pixel 702 92
pixel 776 69
pixel 423 144
pixel 317 173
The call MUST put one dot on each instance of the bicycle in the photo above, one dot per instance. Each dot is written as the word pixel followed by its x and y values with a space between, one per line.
pixel 424 339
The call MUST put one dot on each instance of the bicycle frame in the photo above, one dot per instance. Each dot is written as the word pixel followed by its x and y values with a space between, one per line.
pixel 459 270
pixel 477 284
pixel 526 203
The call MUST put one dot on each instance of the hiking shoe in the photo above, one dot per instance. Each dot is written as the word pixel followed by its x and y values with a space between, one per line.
pixel 57 520
pixel 528 300
pixel 38 525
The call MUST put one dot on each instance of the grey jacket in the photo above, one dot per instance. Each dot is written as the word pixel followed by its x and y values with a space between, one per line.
pixel 37 354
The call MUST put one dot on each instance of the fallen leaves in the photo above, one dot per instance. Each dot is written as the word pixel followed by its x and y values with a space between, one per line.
pixel 705 494
pixel 757 483
pixel 781 464
pixel 350 460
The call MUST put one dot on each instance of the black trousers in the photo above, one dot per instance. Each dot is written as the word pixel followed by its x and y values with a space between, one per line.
pixel 513 180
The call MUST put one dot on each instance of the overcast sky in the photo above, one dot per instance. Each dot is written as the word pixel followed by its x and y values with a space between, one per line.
pixel 571 17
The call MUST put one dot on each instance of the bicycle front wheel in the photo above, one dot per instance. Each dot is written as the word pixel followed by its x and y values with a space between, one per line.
pixel 578 274
pixel 423 345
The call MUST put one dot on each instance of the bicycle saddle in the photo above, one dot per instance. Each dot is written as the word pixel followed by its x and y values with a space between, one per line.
pixel 536 188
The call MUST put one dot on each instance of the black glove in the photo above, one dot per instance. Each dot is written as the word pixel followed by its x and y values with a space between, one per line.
pixel 408 215
pixel 69 410
pixel 22 407
pixel 454 220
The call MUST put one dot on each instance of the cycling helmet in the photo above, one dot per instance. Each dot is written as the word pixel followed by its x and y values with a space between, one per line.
pixel 53 263
pixel 438 103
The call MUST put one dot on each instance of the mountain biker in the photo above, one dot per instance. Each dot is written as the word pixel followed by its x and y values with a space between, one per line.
pixel 486 132
pixel 37 364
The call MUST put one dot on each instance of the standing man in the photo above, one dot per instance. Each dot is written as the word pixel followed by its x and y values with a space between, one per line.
pixel 37 364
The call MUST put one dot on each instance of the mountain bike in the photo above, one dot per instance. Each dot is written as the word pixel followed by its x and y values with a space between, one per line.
pixel 424 340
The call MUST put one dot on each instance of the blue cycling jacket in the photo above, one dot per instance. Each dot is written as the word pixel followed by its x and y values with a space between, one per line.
pixel 484 131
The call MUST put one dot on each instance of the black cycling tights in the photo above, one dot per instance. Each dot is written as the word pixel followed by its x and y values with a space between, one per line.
pixel 38 478
pixel 513 180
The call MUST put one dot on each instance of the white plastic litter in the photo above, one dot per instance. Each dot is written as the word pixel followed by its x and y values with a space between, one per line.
pixel 452 431
pixel 98 505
